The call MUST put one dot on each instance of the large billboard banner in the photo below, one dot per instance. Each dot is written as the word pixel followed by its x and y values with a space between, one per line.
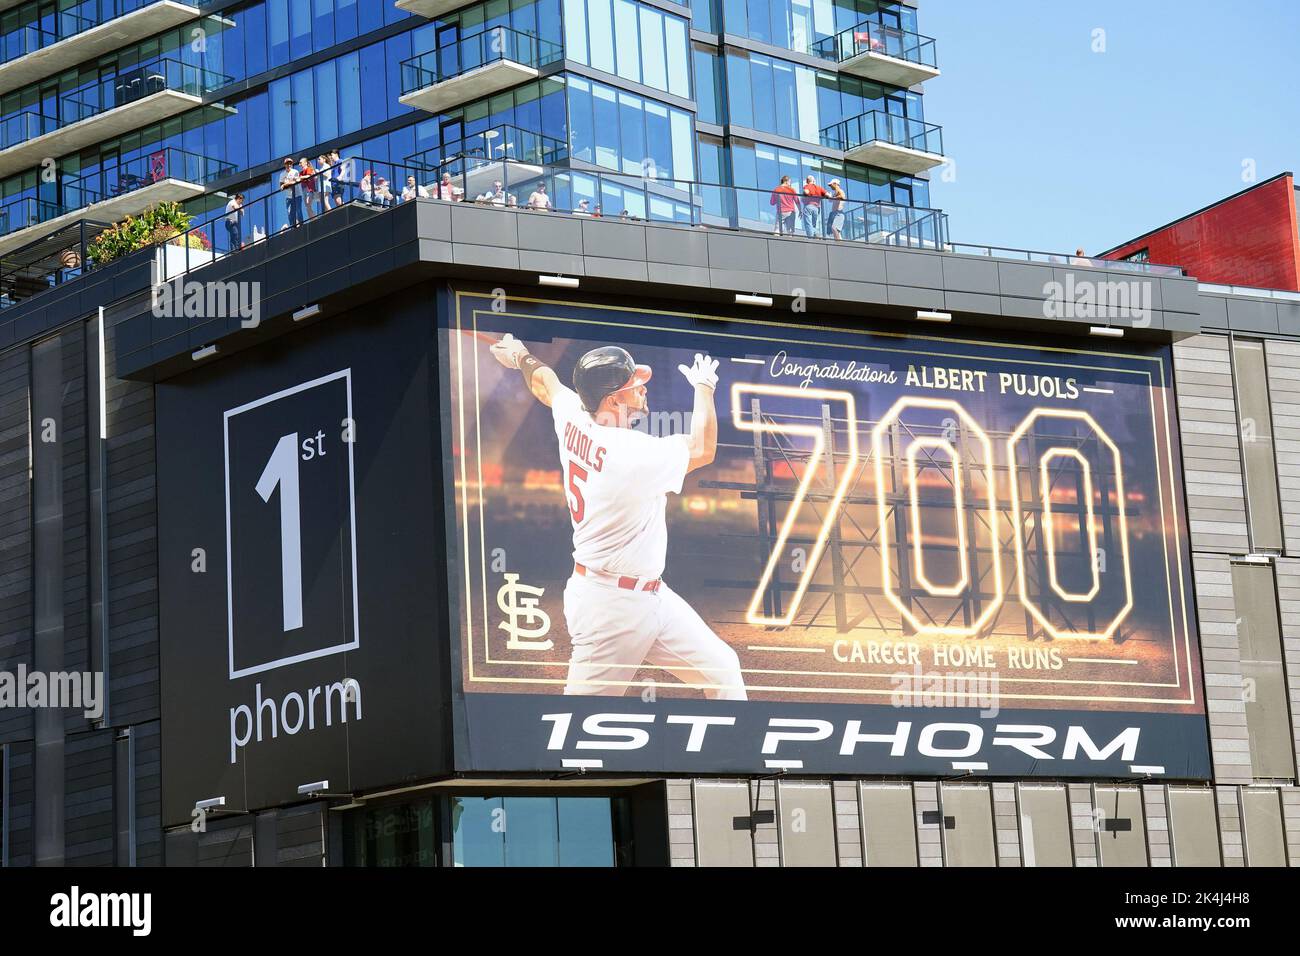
pixel 683 543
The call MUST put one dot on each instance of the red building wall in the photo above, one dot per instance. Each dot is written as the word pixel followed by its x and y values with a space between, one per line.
pixel 1248 239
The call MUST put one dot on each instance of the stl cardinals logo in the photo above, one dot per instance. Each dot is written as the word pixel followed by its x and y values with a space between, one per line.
pixel 519 601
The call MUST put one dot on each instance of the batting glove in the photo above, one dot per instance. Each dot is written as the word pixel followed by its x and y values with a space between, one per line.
pixel 509 351
pixel 704 371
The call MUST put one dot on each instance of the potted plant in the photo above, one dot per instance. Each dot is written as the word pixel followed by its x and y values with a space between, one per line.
pixel 165 226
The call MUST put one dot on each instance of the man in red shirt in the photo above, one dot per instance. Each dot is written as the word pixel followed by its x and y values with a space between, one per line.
pixel 786 201
pixel 812 207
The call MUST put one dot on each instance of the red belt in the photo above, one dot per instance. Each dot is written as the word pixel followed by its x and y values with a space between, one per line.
pixel 621 581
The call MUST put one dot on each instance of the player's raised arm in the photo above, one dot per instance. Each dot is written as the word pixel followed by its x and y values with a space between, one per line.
pixel 539 379
pixel 703 437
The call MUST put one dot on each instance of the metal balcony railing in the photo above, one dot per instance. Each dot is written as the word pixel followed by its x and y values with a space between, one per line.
pixel 128 84
pixel 53 26
pixel 117 179
pixel 1064 259
pixel 490 46
pixel 550 190
pixel 872 37
pixel 497 143
pixel 879 126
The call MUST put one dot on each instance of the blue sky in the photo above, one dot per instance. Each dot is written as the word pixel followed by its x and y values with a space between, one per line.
pixel 1056 146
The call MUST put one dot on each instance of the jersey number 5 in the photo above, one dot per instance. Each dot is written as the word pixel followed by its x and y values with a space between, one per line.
pixel 577 507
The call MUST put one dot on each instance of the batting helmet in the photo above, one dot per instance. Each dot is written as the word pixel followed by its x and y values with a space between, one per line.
pixel 606 370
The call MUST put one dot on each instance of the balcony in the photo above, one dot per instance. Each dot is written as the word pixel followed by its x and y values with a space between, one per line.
pixel 475 67
pixel 135 97
pixel 66 38
pixel 874 51
pixel 431 8
pixel 891 142
pixel 124 189
pixel 476 158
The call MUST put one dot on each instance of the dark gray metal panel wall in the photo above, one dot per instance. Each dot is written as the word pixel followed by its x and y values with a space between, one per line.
pixel 298 837
pixel 133 675
pixel 76 553
pixel 148 794
pixel 22 795
pixel 15 532
pixel 88 799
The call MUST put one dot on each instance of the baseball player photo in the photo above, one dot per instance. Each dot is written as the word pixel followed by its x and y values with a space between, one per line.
pixel 621 614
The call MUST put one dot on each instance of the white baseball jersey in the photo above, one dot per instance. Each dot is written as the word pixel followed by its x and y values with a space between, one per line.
pixel 616 481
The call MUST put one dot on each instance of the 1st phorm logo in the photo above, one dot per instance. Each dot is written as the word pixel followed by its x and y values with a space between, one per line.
pixel 190 299
pixel 75 908
pixel 1092 299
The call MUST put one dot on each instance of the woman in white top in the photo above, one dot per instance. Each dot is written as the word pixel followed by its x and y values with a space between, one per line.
pixel 326 177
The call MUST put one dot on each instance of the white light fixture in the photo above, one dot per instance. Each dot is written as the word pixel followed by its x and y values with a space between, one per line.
pixel 212 803
pixel 207 351
pixel 761 300
pixel 1255 559
pixel 929 315
pixel 1106 331
pixel 306 312
pixel 559 282
pixel 309 788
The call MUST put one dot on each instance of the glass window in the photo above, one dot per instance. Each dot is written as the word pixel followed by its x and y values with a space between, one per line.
pixel 785 103
pixel 737 17
pixel 300 23
pixel 652 48
pixel 374 98
pixel 625 33
pixel 706 90
pixel 253 22
pixel 349 92
pixel 600 29
pixel 659 137
pixel 760 20
pixel 281 117
pixel 303 111
pixel 582 141
pixel 760 76
pixel 679 75
pixel 399 835
pixel 586 831
pixel 277 15
pixel 632 124
pixel 532 831
pixel 327 107
pixel 704 15
pixel 739 96
pixel 683 144
pixel 606 126
pixel 322 28
pixel 345 19
pixel 370 16
pixel 575 30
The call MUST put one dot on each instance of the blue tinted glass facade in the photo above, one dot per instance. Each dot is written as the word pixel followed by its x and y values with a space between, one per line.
pixel 602 87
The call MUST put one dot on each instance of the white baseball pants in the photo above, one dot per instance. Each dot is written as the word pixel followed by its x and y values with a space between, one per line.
pixel 615 631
